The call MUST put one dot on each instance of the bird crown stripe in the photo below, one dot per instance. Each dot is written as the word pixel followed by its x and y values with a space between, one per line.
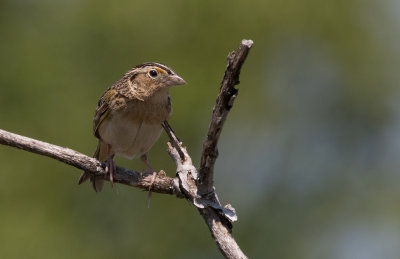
pixel 163 71
pixel 164 67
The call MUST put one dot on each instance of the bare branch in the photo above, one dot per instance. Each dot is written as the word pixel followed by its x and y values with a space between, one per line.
pixel 198 188
pixel 226 97
pixel 195 187
pixel 174 139
pixel 221 234
pixel 125 176
pixel 218 219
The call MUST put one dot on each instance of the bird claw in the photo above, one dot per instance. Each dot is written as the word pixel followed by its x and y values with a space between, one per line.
pixel 161 173
pixel 111 169
pixel 153 178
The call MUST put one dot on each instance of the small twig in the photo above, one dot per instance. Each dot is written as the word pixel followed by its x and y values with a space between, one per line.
pixel 125 176
pixel 173 138
pixel 226 97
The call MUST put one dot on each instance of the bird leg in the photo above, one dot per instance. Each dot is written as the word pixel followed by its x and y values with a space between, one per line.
pixel 110 164
pixel 144 158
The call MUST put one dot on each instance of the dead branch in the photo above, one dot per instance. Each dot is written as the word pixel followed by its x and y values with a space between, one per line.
pixel 196 187
pixel 226 97
pixel 125 176
pixel 218 219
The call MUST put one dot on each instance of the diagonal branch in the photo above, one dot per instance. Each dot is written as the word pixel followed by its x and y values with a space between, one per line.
pixel 125 176
pixel 226 97
pixel 174 139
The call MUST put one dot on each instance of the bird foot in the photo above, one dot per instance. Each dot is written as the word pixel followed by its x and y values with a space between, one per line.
pixel 111 169
pixel 162 174
pixel 153 178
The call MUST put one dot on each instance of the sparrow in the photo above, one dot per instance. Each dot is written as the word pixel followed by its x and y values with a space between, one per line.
pixel 127 121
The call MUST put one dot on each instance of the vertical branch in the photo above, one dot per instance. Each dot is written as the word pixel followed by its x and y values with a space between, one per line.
pixel 218 219
pixel 226 97
pixel 197 187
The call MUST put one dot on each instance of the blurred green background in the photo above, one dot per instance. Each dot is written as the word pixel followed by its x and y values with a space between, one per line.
pixel 309 156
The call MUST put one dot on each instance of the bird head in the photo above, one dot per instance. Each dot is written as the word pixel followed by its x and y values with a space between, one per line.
pixel 152 77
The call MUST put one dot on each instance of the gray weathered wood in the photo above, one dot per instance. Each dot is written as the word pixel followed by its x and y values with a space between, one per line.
pixel 218 219
pixel 124 176
pixel 226 97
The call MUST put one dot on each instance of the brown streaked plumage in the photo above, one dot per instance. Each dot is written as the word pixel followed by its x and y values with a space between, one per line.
pixel 129 114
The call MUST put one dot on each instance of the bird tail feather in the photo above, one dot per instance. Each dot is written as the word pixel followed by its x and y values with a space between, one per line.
pixel 101 155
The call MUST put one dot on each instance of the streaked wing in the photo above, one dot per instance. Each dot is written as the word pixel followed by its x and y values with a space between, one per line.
pixel 103 109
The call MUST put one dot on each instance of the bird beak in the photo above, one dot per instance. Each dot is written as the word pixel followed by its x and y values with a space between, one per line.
pixel 174 80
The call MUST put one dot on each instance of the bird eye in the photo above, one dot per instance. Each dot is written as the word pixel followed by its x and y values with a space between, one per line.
pixel 153 73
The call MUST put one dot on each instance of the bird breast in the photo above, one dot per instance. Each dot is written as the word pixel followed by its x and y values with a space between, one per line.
pixel 133 130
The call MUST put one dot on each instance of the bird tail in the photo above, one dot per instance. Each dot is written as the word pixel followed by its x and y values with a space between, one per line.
pixel 101 155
